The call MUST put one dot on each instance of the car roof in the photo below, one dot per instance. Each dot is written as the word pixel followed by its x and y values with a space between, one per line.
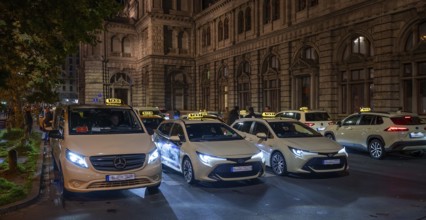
pixel 267 119
pixel 91 106
pixel 307 111
pixel 194 121
pixel 388 114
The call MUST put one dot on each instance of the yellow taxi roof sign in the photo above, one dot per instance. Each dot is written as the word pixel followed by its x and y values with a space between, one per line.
pixel 196 115
pixel 304 109
pixel 146 113
pixel 113 101
pixel 365 109
pixel 268 115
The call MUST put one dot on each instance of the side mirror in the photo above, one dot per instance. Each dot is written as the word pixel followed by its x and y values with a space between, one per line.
pixel 56 134
pixel 262 135
pixel 150 130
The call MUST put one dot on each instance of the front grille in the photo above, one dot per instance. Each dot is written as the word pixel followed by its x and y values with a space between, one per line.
pixel 106 163
pixel 122 183
pixel 318 163
pixel 225 170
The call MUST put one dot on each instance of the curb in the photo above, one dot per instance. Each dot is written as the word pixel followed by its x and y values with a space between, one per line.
pixel 34 195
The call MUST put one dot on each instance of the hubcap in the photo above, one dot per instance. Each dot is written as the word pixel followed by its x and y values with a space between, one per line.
pixel 278 164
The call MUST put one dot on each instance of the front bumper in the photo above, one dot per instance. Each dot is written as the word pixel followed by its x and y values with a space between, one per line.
pixel 77 179
pixel 319 163
pixel 229 171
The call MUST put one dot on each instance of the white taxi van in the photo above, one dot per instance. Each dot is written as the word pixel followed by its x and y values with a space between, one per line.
pixel 206 149
pixel 290 146
pixel 316 119
pixel 103 147
pixel 380 132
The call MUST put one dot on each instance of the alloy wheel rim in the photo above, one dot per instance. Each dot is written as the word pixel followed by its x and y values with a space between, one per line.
pixel 187 171
pixel 376 150
pixel 278 164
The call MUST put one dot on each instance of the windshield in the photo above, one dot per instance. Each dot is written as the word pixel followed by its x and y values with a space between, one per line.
pixel 284 129
pixel 317 116
pixel 211 132
pixel 103 120
pixel 152 122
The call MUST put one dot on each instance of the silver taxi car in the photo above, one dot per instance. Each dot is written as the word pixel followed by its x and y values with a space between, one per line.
pixel 380 132
pixel 103 147
pixel 290 146
pixel 207 150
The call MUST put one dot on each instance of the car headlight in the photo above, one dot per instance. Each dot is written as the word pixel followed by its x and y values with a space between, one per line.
pixel 209 160
pixel 298 152
pixel 343 151
pixel 153 156
pixel 259 156
pixel 76 159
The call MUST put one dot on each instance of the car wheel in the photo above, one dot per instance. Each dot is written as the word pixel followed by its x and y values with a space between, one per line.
pixel 330 136
pixel 278 164
pixel 188 171
pixel 376 149
pixel 153 189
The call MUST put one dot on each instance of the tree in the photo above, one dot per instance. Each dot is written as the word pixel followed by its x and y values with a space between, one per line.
pixel 35 38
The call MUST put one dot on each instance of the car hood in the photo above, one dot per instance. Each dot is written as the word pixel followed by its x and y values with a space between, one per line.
pixel 312 144
pixel 229 149
pixel 91 145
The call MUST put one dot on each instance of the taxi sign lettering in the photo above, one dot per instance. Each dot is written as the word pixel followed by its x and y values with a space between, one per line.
pixel 113 101
pixel 268 115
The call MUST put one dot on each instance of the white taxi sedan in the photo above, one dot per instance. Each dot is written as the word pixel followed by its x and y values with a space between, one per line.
pixel 290 146
pixel 207 150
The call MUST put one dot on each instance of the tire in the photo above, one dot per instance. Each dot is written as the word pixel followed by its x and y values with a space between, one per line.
pixel 153 189
pixel 188 171
pixel 376 149
pixel 278 164
pixel 330 136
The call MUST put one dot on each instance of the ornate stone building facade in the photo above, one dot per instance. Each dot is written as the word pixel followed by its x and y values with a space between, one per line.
pixel 336 55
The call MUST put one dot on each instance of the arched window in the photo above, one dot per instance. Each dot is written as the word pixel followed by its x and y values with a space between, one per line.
pixel 270 82
pixel 220 31
pixel 240 22
pixel 248 19
pixel 413 69
pixel 226 29
pixel 356 75
pixel 115 45
pixel 243 85
pixel 126 47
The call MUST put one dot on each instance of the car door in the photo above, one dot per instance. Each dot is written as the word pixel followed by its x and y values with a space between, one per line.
pixel 244 129
pixel 161 140
pixel 347 133
pixel 174 146
pixel 263 144
pixel 366 127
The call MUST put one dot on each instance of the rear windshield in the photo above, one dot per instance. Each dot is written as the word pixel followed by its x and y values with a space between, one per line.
pixel 407 120
pixel 317 116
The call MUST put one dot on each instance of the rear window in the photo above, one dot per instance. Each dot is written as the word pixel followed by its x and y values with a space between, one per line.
pixel 407 120
pixel 317 116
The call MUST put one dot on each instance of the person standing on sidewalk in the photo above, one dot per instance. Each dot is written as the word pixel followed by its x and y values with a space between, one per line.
pixel 47 123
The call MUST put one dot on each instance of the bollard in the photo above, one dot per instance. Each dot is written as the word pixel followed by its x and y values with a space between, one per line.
pixel 13 160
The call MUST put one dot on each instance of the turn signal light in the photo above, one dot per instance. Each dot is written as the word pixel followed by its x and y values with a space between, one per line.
pixel 396 129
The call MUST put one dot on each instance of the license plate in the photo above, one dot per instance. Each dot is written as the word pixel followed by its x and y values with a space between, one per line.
pixel 241 169
pixel 416 135
pixel 129 176
pixel 331 162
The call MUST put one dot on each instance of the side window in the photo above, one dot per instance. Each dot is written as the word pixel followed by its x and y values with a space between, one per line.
pixel 243 126
pixel 260 127
pixel 59 119
pixel 352 120
pixel 367 120
pixel 379 120
pixel 165 128
pixel 177 130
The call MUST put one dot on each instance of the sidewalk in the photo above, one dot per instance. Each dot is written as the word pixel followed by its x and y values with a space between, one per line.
pixel 36 189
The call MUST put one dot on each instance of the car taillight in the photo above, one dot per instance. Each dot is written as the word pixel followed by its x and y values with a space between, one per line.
pixel 393 129
pixel 310 124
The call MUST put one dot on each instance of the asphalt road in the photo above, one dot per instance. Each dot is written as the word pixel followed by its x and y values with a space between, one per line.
pixel 393 188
